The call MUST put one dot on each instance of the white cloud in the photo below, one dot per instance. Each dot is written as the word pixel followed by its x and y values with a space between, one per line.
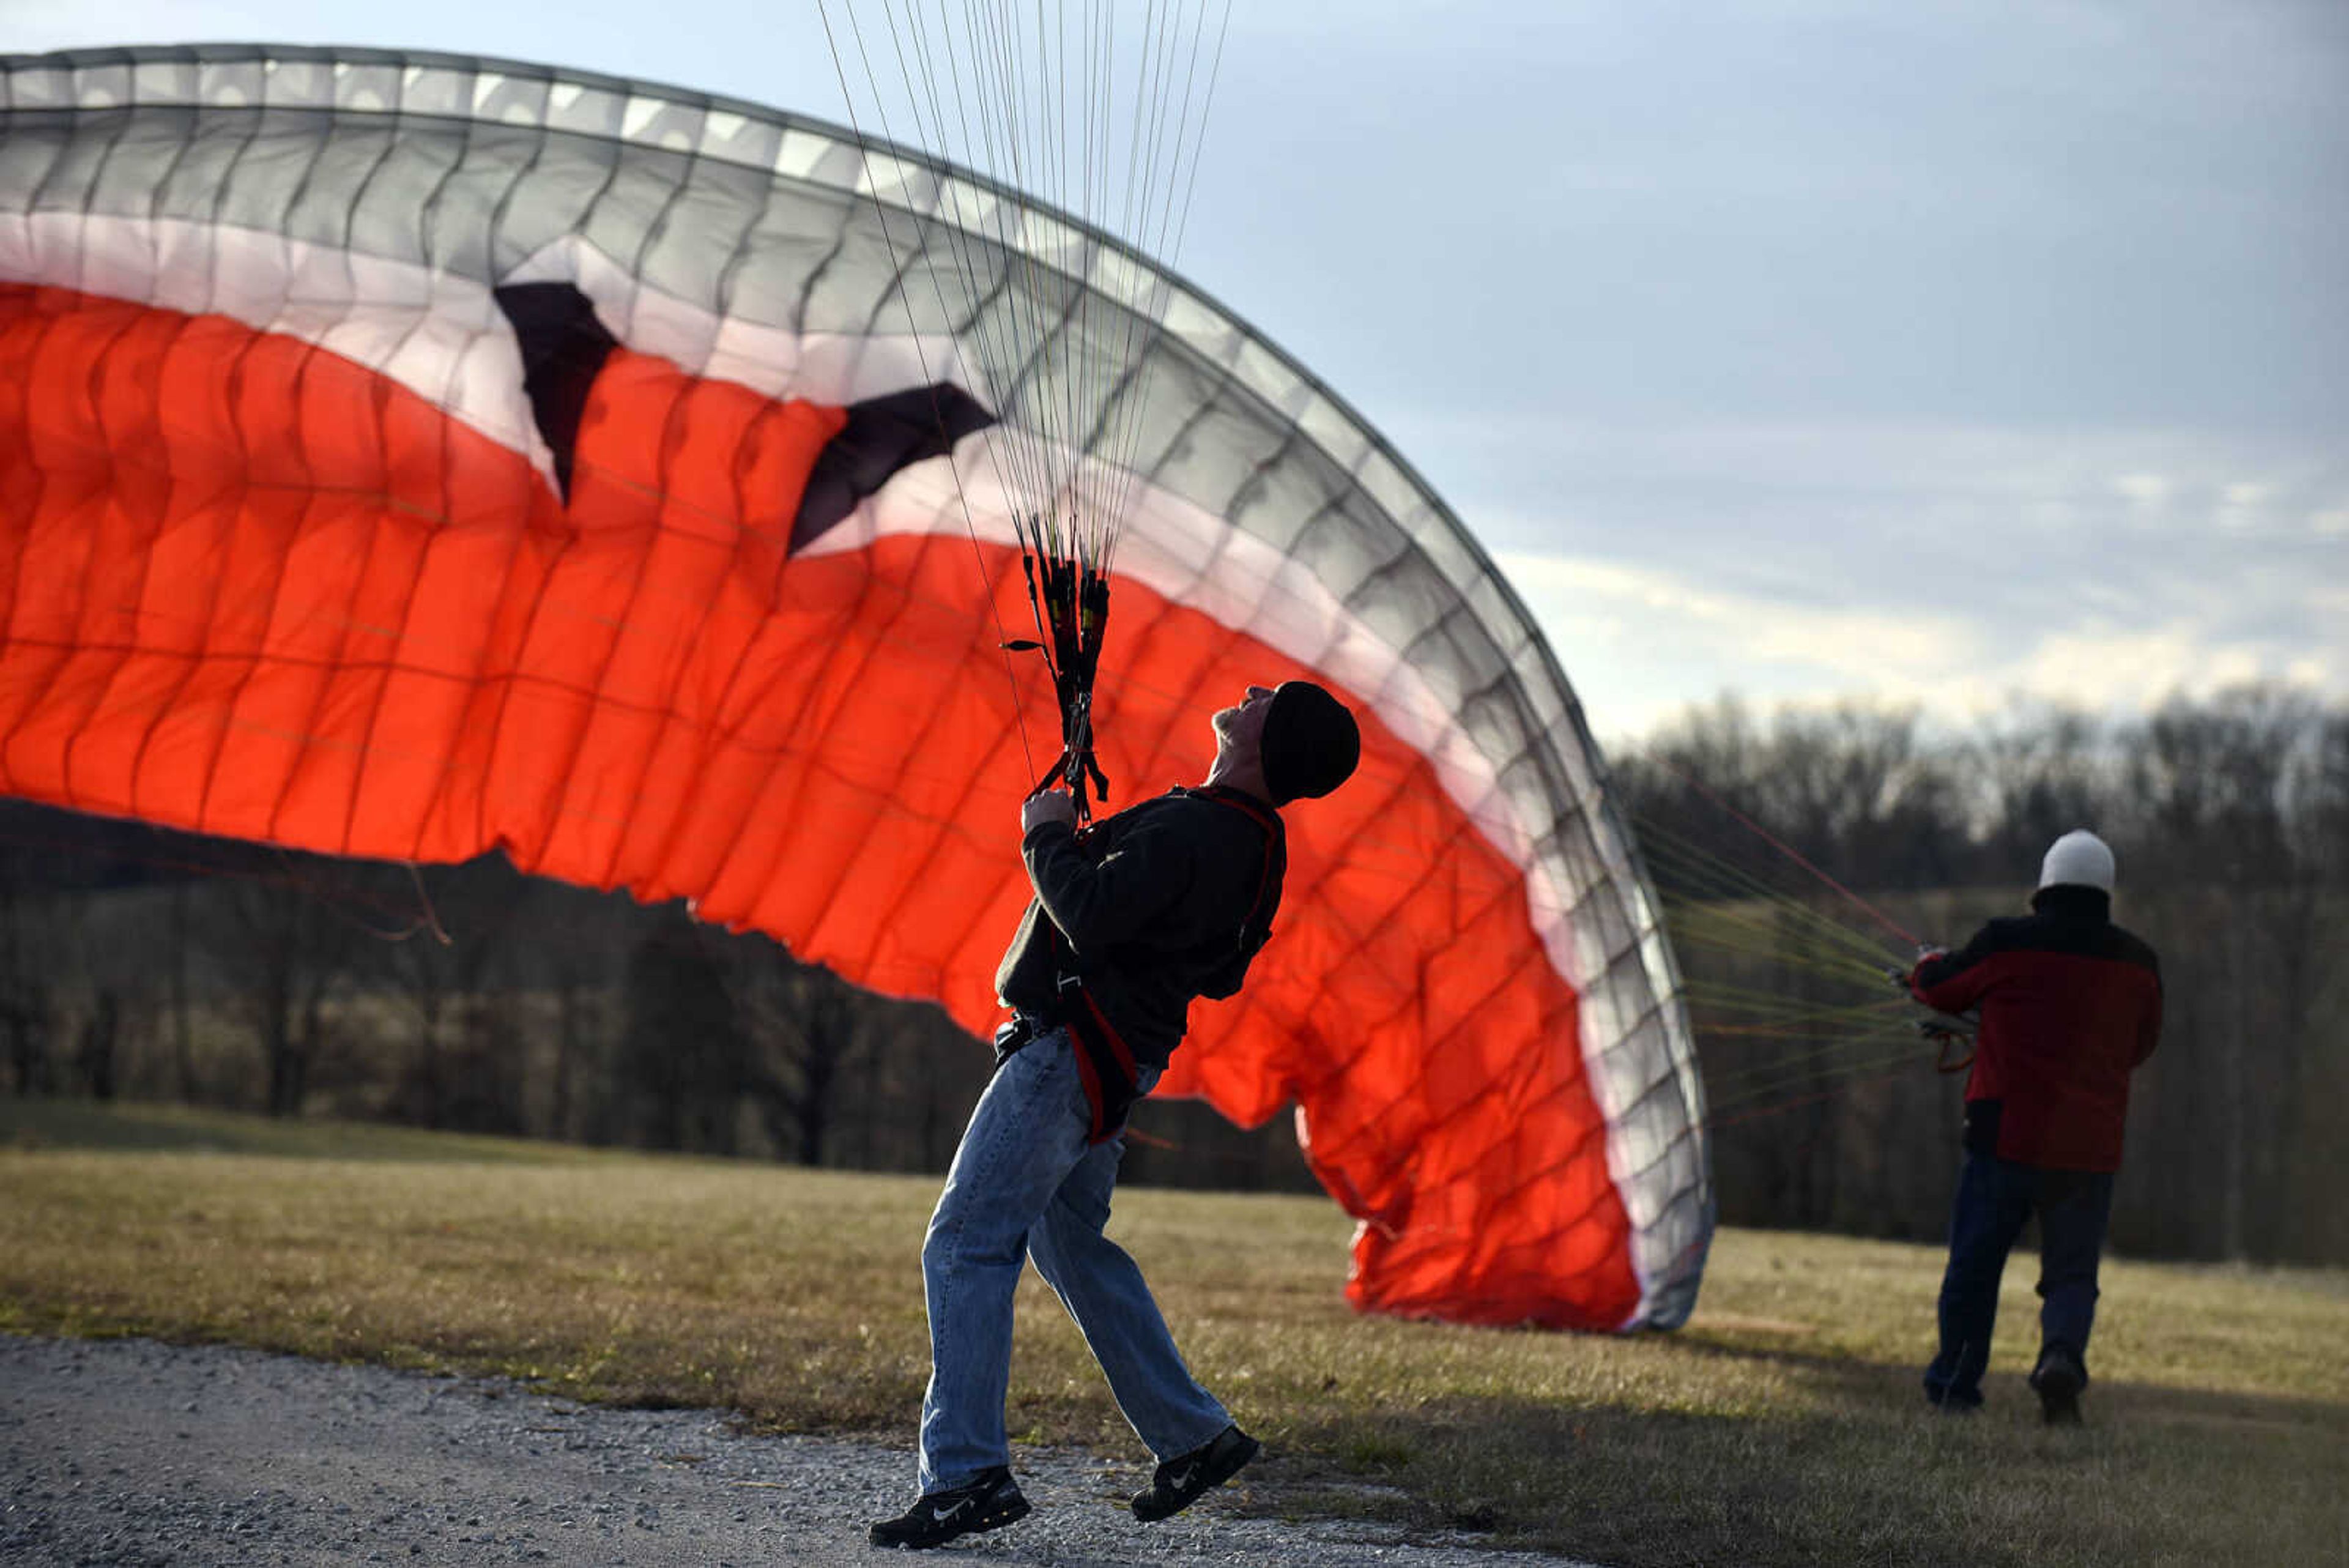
pixel 1953 566
pixel 2117 668
pixel 1853 642
pixel 1639 642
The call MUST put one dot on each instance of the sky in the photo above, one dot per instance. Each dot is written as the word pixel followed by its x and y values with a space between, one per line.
pixel 1941 353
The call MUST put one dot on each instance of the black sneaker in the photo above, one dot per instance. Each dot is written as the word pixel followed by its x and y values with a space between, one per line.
pixel 2057 1380
pixel 1180 1482
pixel 989 1503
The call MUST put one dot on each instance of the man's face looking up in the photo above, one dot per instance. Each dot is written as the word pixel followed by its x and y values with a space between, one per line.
pixel 1239 729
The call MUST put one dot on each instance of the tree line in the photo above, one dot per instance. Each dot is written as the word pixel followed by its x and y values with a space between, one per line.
pixel 139 963
pixel 2229 819
pixel 144 964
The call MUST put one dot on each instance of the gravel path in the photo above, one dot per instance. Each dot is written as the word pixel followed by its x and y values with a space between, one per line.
pixel 131 1452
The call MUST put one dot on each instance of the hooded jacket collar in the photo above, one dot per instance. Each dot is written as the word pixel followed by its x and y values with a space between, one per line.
pixel 2070 901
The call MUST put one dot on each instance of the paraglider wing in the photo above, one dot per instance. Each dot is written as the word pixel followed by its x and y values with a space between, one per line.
pixel 406 456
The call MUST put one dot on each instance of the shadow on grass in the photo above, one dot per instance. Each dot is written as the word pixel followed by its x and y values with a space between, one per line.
pixel 1851 1467
pixel 1876 1383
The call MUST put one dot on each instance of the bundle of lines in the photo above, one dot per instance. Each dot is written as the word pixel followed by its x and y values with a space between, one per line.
pixel 1097 108
pixel 1790 1003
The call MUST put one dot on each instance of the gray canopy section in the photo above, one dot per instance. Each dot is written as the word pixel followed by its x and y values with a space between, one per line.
pixel 773 221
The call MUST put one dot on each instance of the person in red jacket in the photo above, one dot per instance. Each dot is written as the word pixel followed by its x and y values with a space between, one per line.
pixel 2070 1005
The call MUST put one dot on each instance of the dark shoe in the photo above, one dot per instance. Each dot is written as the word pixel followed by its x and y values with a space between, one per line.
pixel 2057 1380
pixel 990 1502
pixel 1182 1481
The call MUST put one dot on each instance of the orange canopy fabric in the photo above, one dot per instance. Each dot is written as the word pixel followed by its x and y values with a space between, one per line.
pixel 407 456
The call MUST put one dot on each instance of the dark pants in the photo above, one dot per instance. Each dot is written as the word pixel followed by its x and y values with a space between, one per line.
pixel 1994 1198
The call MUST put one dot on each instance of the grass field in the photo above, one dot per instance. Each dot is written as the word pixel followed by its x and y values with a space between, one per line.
pixel 1782 1425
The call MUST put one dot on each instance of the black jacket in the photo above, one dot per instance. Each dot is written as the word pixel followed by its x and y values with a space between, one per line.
pixel 1165 901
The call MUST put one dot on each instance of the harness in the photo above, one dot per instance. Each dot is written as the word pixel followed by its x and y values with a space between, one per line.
pixel 1105 1063
pixel 1257 930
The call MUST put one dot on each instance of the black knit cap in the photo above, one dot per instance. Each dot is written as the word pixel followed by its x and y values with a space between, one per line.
pixel 1311 742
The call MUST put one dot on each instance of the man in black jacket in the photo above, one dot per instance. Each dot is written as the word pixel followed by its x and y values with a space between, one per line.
pixel 1133 918
pixel 2071 1005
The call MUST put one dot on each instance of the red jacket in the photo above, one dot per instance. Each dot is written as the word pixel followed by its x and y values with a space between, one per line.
pixel 2071 1004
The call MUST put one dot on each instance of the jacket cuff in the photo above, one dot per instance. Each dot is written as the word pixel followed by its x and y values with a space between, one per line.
pixel 1042 830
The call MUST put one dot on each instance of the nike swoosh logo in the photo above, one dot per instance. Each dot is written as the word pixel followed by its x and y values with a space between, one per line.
pixel 1183 1482
pixel 941 1515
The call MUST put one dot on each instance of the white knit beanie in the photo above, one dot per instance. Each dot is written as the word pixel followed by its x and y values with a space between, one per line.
pixel 2078 859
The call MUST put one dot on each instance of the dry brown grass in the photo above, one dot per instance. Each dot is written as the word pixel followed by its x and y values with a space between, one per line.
pixel 1783 1426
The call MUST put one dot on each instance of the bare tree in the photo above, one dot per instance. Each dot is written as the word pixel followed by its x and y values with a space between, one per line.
pixel 684 1052
pixel 284 946
pixel 804 1027
pixel 440 966
pixel 2038 772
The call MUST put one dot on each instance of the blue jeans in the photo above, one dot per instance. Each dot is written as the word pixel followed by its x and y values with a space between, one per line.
pixel 1025 1184
pixel 1994 1196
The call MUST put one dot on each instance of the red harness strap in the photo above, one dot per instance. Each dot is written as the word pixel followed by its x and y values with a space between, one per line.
pixel 1104 1063
pixel 1105 1066
pixel 1276 841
